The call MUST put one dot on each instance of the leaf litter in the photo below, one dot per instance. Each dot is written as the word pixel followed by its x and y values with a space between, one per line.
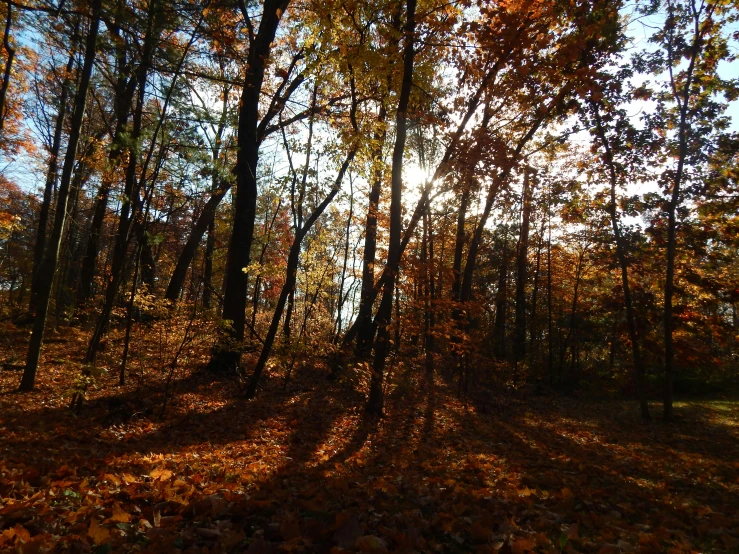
pixel 303 470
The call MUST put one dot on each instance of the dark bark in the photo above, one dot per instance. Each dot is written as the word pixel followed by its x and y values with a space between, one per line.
pixel 10 52
pixel 227 354
pixel 208 265
pixel 441 169
pixel 258 280
pixel 682 97
pixel 573 314
pixel 459 244
pixel 293 261
pixel 366 328
pixel 342 281
pixel 522 267
pixel 427 263
pixel 535 293
pixel 499 181
pixel 131 190
pixel 51 175
pixel 550 338
pixel 384 313
pixel 501 303
pixel 51 256
pixel 204 222
pixel 125 91
pixel 624 266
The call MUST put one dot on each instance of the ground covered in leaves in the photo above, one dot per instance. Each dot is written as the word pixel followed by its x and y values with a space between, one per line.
pixel 300 469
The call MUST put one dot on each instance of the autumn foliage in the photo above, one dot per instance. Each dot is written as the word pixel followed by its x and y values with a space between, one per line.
pixel 367 276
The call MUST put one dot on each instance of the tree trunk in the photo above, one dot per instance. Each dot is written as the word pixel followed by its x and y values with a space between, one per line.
pixel 51 175
pixel 10 51
pixel 459 245
pixel 522 266
pixel 227 353
pixel 501 304
pixel 52 253
pixel 573 312
pixel 624 265
pixel 384 313
pixel 131 191
pixel 204 222
pixel 535 294
pixel 342 282
pixel 550 344
pixel 427 267
pixel 293 261
pixel 366 328
pixel 208 265
pixel 125 91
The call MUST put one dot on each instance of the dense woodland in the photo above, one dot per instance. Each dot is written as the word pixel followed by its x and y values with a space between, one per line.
pixel 487 206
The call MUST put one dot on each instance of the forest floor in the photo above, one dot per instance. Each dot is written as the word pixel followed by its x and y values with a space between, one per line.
pixel 301 469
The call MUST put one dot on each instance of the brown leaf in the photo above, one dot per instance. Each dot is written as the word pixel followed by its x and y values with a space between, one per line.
pixel 346 535
pixel 260 546
pixel 371 544
pixel 522 545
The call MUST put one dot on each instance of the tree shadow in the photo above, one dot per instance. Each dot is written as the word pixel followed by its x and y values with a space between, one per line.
pixel 307 471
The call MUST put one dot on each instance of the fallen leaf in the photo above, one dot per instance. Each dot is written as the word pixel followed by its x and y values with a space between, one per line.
pixel 161 474
pixel 97 533
pixel 119 515
pixel 371 544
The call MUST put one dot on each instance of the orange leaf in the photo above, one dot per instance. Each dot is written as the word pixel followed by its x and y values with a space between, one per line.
pixel 161 474
pixel 522 545
pixel 119 515
pixel 98 534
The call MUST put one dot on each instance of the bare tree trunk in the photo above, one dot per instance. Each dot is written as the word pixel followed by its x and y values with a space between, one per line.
pixel 365 325
pixel 535 294
pixel 573 312
pixel 204 222
pixel 624 265
pixel 131 194
pixel 208 265
pixel 342 282
pixel 10 51
pixel 293 261
pixel 550 338
pixel 384 313
pixel 459 245
pixel 522 267
pixel 125 91
pixel 52 174
pixel 52 253
pixel 427 262
pixel 501 304
pixel 227 354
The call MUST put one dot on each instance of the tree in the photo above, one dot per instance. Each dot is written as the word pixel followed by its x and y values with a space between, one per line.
pixel 51 255
pixel 690 44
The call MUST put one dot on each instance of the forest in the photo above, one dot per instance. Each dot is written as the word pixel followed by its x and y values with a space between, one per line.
pixel 369 276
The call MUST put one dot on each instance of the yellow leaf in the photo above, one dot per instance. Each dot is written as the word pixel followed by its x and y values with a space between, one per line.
pixel 113 479
pixel 98 534
pixel 119 515
pixel 161 474
pixel 128 478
